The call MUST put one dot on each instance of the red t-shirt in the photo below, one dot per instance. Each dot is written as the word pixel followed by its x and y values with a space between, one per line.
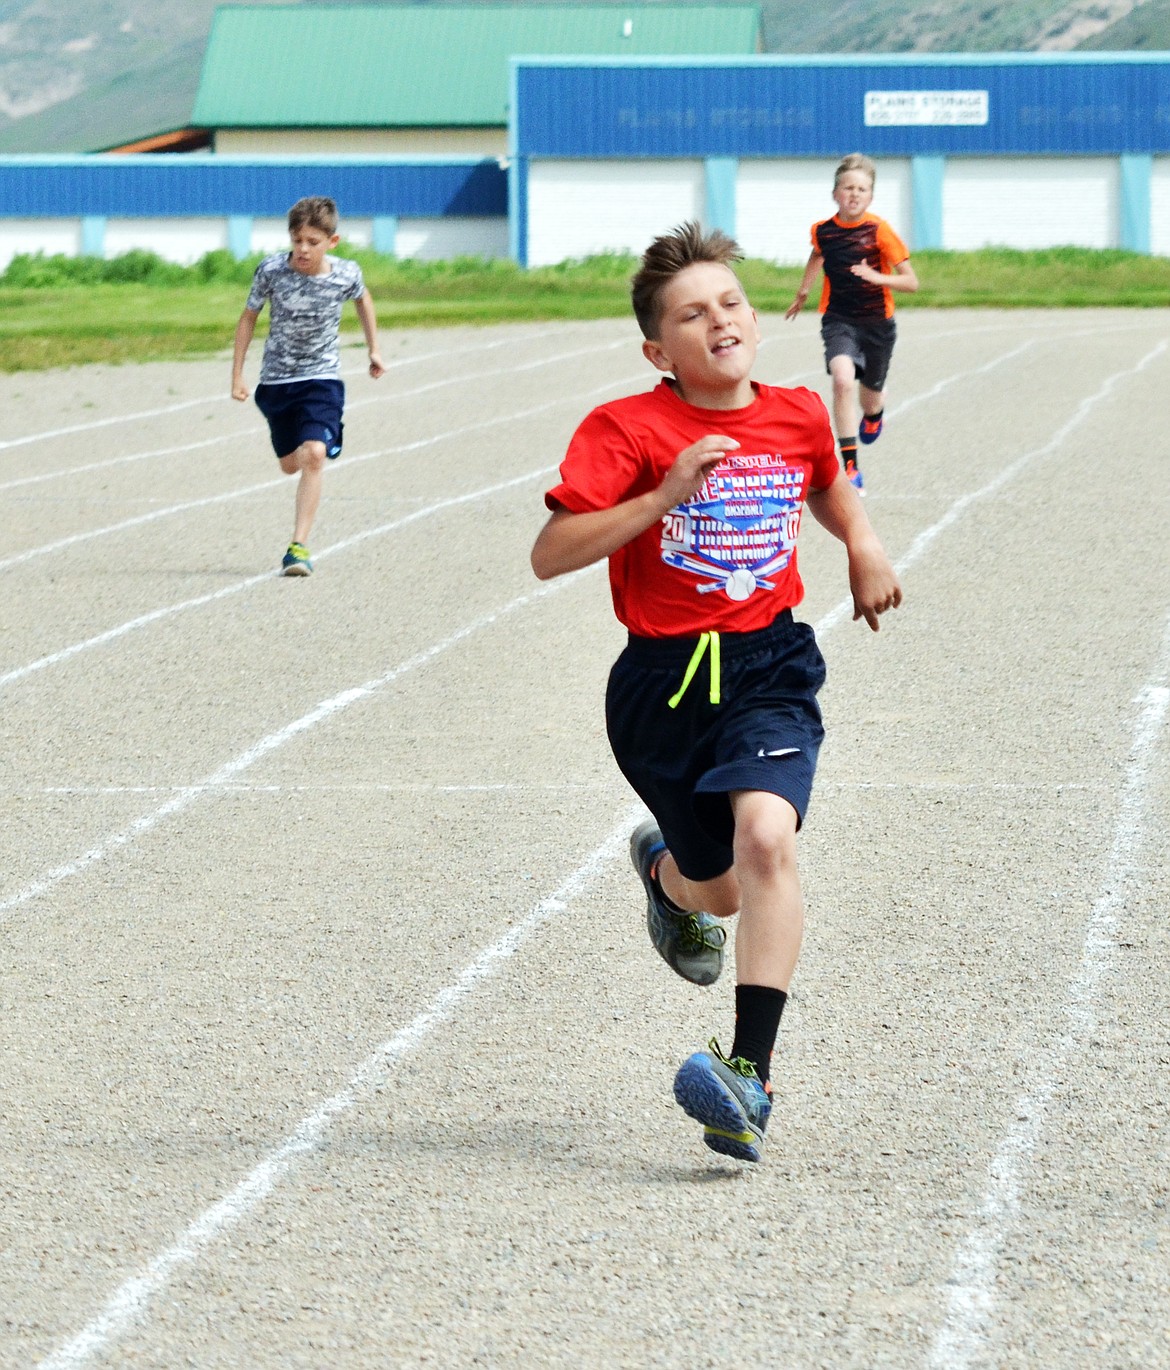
pixel 726 559
pixel 843 246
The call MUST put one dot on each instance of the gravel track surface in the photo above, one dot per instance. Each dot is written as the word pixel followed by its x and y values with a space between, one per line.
pixel 332 1035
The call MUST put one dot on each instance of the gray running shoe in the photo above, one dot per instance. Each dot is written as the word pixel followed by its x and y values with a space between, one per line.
pixel 691 944
pixel 727 1098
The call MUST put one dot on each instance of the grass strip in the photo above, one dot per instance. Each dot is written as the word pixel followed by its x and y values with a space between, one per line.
pixel 62 311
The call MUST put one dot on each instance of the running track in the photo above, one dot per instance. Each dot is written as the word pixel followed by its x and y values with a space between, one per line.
pixel 332 1035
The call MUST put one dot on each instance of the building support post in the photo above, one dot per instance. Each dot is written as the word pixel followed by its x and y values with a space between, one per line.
pixel 1137 171
pixel 926 192
pixel 721 176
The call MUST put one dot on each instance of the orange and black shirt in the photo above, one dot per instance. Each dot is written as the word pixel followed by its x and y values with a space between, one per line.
pixel 844 245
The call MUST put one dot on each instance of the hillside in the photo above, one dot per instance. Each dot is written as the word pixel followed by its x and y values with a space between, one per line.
pixel 94 73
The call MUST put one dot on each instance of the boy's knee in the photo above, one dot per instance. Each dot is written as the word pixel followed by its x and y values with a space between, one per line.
pixel 309 456
pixel 765 840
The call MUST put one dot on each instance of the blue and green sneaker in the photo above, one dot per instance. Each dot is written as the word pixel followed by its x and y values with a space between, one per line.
pixel 296 561
pixel 727 1098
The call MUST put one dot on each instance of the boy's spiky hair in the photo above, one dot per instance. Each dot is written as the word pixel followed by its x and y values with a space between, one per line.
pixel 666 257
pixel 314 211
pixel 855 161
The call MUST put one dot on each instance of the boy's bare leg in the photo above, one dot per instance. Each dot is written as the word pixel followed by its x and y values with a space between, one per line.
pixel 771 920
pixel 872 401
pixel 763 886
pixel 309 460
pixel 718 897
pixel 844 377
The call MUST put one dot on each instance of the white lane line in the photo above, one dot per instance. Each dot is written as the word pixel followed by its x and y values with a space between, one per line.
pixel 129 1302
pixel 228 773
pixel 520 786
pixel 222 396
pixel 966 1336
pixel 924 540
pixel 947 381
pixel 169 610
pixel 252 430
pixel 155 615
pixel 227 496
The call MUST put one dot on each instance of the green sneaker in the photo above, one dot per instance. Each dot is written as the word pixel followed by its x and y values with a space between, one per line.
pixel 296 561
pixel 691 944
pixel 727 1098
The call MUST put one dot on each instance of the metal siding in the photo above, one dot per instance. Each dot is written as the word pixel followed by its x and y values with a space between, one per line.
pixel 1030 203
pixel 782 107
pixel 423 65
pixel 442 239
pixel 579 209
pixel 184 186
pixel 1160 207
pixel 50 236
pixel 778 201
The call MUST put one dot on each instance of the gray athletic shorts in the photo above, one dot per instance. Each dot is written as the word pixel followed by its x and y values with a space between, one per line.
pixel 870 345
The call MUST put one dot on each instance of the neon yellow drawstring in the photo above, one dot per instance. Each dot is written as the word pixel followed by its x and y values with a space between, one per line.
pixel 705 640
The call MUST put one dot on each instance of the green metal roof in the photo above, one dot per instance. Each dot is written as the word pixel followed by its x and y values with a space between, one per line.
pixel 304 66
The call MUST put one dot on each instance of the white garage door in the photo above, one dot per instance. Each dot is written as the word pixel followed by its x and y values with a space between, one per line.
pixel 580 209
pixel 779 200
pixel 1030 202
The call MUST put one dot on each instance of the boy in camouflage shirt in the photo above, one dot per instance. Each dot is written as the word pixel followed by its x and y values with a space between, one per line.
pixel 301 392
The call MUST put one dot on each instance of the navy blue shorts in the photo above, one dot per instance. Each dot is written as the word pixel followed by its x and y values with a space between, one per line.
pixel 303 411
pixel 764 734
pixel 869 345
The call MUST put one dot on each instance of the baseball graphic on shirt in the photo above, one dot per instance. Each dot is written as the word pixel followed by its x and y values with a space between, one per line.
pixel 739 585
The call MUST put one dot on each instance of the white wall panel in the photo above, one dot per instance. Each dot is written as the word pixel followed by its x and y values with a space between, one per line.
pixel 438 239
pixel 48 236
pixel 271 235
pixel 778 201
pixel 579 209
pixel 1030 202
pixel 175 240
pixel 1160 207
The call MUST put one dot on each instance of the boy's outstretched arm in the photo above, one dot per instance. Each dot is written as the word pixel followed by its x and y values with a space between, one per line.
pixel 569 541
pixel 811 271
pixel 369 323
pixel 903 276
pixel 872 579
pixel 244 331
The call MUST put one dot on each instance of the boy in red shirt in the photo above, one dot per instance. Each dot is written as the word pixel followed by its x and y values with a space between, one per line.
pixel 864 260
pixel 694 492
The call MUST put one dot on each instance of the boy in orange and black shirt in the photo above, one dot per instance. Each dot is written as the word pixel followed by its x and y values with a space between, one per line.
pixel 864 261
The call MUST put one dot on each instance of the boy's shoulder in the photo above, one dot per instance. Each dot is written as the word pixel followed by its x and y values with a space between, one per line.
pixel 648 408
pixel 345 266
pixel 800 396
pixel 630 410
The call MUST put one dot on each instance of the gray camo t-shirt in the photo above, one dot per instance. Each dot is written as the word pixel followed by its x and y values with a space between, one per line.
pixel 306 316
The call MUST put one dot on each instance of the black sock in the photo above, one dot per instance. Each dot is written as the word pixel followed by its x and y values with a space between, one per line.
pixel 848 448
pixel 875 418
pixel 757 1021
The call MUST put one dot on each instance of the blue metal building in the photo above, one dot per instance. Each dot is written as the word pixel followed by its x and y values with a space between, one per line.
pixel 182 206
pixel 1015 149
